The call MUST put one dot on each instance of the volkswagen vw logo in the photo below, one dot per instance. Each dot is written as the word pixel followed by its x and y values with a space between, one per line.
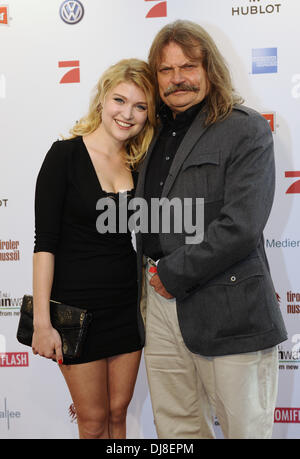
pixel 71 11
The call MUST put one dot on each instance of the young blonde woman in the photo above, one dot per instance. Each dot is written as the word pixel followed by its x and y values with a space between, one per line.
pixel 75 264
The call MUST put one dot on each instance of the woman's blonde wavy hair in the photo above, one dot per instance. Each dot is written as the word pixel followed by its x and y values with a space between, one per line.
pixel 191 38
pixel 125 71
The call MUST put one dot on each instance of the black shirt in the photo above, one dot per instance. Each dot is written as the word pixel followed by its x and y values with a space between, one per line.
pixel 171 136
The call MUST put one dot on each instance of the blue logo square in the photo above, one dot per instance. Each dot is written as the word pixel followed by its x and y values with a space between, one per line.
pixel 264 60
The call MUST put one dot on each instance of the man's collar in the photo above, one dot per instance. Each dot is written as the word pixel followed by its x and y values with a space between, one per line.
pixel 166 114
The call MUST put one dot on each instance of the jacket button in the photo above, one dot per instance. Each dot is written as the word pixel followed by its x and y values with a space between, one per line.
pixel 233 278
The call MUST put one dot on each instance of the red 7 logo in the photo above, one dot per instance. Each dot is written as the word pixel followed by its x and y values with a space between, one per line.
pixel 4 15
pixel 157 11
pixel 270 117
pixel 72 76
pixel 295 187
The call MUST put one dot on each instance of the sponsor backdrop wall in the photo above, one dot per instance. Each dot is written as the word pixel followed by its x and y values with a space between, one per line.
pixel 52 54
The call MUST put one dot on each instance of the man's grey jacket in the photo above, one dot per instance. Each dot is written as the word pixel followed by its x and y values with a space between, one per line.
pixel 226 302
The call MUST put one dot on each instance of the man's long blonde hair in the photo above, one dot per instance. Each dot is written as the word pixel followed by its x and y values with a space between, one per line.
pixel 126 71
pixel 191 38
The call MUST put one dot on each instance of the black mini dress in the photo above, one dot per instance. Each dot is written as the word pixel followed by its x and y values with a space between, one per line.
pixel 95 271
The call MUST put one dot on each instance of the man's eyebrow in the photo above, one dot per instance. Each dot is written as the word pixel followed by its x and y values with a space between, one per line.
pixel 188 62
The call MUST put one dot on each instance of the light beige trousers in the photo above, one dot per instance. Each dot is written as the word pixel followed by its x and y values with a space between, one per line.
pixel 187 390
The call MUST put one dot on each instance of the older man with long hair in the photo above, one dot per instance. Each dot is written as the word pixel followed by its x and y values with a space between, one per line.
pixel 210 309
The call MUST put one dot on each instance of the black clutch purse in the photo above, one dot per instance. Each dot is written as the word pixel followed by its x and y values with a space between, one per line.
pixel 70 322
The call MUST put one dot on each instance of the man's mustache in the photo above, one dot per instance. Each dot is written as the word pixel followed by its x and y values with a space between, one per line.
pixel 181 87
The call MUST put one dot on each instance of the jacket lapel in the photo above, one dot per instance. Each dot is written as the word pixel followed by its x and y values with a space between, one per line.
pixel 143 169
pixel 194 133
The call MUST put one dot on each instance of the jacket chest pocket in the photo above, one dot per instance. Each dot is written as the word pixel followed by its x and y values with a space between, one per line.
pixel 202 175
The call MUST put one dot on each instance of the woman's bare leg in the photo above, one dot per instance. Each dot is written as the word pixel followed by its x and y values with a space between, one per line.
pixel 87 383
pixel 122 374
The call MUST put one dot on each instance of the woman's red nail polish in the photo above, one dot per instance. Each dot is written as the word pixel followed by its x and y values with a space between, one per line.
pixel 153 269
pixel 60 362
